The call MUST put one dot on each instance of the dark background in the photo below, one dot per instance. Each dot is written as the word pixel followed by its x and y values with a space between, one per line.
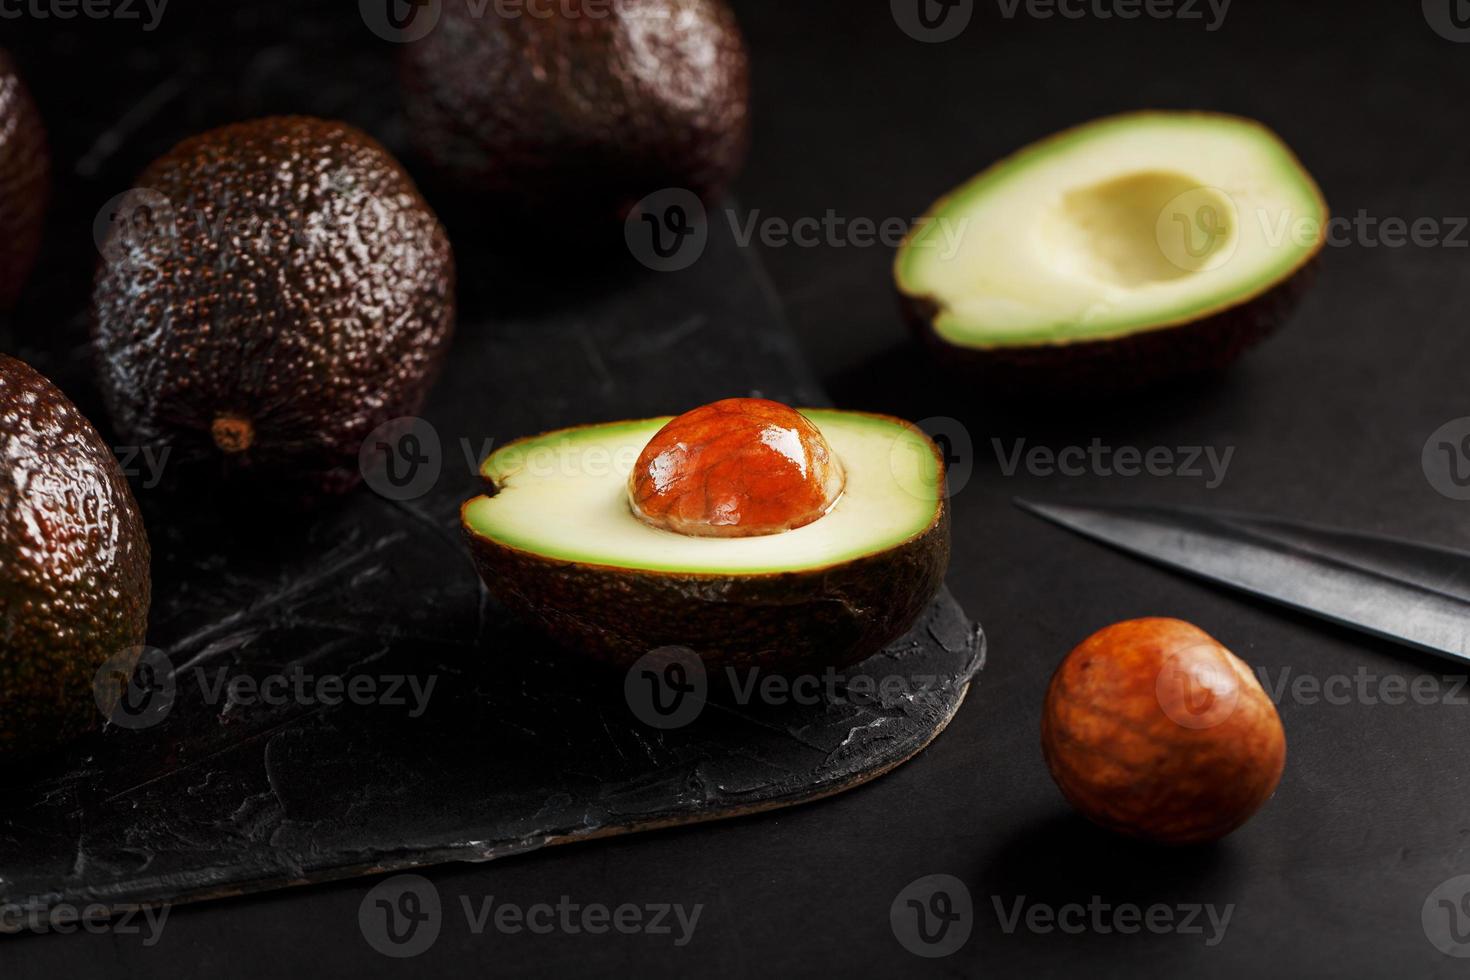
pixel 1328 421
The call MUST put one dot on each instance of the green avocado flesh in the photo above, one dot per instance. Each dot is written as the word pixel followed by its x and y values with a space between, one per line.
pixel 1122 225
pixel 564 495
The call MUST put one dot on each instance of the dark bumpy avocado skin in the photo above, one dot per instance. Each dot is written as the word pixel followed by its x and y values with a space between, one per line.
pixel 584 107
pixel 24 182
pixel 791 622
pixel 74 586
pixel 306 290
pixel 1134 361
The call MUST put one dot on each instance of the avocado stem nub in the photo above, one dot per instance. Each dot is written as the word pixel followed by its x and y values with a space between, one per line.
pixel 233 435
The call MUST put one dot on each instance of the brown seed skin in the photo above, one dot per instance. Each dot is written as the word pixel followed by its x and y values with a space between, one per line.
pixel 1152 729
pixel 582 108
pixel 738 467
pixel 297 293
pixel 25 182
pixel 74 564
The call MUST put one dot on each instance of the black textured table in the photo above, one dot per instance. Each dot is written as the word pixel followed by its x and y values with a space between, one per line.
pixel 1326 421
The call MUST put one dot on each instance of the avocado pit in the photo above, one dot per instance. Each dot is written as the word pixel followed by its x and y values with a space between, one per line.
pixel 738 467
pixel 1153 729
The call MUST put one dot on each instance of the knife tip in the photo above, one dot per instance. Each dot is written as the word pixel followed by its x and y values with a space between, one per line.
pixel 1033 506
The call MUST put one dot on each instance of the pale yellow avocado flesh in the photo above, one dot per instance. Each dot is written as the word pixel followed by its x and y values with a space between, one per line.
pixel 1125 224
pixel 564 495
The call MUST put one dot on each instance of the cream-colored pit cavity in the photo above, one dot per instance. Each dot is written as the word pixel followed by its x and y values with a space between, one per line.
pixel 1141 228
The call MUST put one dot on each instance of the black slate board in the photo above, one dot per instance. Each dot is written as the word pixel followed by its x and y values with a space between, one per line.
pixel 517 745
pixel 1329 419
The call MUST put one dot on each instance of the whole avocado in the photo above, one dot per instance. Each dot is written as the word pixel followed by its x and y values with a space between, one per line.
pixel 582 107
pixel 74 557
pixel 24 182
pixel 288 292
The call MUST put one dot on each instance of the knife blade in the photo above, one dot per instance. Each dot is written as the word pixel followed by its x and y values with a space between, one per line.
pixel 1411 593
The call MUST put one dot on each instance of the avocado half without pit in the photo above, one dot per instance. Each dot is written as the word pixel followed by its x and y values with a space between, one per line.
pixel 745 531
pixel 1122 252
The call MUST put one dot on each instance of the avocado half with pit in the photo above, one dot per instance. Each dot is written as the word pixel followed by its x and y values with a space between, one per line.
pixel 1122 252
pixel 557 543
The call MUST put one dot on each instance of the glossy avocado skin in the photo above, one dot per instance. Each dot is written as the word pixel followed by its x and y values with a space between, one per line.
pixel 74 558
pixel 584 110
pixel 784 622
pixel 25 170
pixel 300 283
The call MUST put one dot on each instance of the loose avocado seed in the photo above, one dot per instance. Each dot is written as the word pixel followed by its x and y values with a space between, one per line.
pixel 1152 729
pixel 735 468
